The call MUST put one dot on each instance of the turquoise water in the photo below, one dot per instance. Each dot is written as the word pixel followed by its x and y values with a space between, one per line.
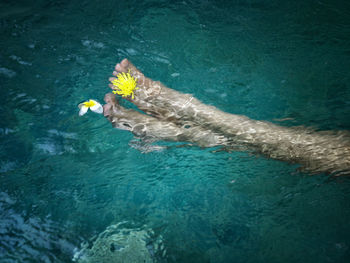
pixel 65 179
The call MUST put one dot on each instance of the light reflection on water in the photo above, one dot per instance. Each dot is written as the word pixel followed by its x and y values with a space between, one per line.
pixel 65 179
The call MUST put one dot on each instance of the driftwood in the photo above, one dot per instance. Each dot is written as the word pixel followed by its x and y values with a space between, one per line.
pixel 175 116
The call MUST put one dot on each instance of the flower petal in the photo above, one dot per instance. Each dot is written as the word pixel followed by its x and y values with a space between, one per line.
pixel 97 108
pixel 81 105
pixel 83 110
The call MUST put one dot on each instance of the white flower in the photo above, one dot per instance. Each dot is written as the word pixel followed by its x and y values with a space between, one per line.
pixel 92 104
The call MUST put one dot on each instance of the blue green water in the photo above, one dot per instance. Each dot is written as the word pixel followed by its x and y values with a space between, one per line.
pixel 64 179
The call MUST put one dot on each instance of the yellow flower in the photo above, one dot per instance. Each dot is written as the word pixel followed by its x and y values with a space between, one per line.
pixel 90 104
pixel 124 85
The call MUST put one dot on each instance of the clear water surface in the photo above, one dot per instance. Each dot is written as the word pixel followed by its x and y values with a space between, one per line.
pixel 65 179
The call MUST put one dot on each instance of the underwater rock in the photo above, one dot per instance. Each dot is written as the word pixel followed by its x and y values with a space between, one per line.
pixel 118 244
